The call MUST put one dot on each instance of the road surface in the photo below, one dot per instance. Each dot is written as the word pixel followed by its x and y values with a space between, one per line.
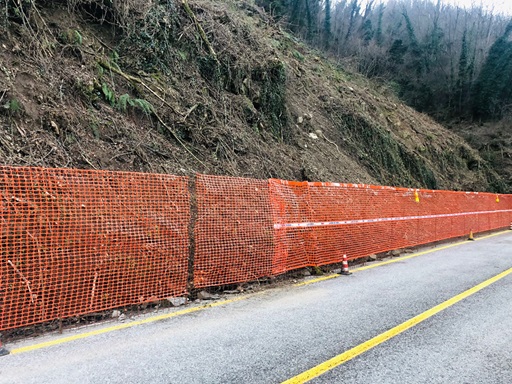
pixel 443 316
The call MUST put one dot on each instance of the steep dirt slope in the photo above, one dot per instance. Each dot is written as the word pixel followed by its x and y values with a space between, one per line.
pixel 216 88
pixel 494 142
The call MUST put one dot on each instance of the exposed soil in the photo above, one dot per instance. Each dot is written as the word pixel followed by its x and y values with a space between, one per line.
pixel 494 142
pixel 81 89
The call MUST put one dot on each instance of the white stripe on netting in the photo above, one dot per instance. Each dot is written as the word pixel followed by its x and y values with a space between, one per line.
pixel 383 220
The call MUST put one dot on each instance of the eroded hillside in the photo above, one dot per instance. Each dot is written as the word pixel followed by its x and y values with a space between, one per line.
pixel 214 87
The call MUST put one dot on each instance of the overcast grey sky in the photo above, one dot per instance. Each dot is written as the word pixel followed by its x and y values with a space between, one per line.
pixel 498 6
pixel 502 6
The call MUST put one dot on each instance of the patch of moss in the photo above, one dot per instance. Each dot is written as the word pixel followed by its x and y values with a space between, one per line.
pixel 418 169
pixel 387 160
pixel 272 98
pixel 151 43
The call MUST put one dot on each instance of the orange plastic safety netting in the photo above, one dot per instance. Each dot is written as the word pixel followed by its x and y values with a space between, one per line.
pixel 75 242
pixel 233 231
pixel 317 223
pixel 294 245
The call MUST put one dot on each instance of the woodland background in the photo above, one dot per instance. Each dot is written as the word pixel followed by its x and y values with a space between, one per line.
pixel 447 61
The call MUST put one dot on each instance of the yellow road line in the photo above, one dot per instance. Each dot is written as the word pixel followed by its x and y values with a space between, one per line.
pixel 127 325
pixel 380 264
pixel 372 343
pixel 317 280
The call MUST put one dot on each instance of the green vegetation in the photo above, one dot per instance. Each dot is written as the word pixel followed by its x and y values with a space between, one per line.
pixel 382 153
pixel 126 101
pixel 453 64
pixel 72 37
pixel 493 89
pixel 12 107
pixel 272 101
pixel 228 92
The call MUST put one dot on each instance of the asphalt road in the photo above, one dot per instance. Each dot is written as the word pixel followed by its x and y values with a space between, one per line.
pixel 273 336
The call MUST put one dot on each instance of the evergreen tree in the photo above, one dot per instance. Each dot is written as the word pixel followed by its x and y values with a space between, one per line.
pixel 379 37
pixel 416 58
pixel 277 8
pixel 462 80
pixel 309 16
pixel 437 53
pixel 327 24
pixel 493 88
pixel 397 52
pixel 367 31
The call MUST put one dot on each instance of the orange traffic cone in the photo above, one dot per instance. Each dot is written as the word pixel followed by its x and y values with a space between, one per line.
pixel 344 269
pixel 471 238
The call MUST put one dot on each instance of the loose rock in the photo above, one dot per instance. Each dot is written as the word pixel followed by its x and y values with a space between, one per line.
pixel 203 295
pixel 116 313
pixel 177 301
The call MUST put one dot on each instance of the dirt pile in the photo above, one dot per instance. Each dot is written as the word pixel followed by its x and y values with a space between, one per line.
pixel 206 86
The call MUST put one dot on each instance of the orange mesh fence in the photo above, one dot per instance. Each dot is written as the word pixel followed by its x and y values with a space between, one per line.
pixel 233 232
pixel 76 242
pixel 317 223
pixel 294 246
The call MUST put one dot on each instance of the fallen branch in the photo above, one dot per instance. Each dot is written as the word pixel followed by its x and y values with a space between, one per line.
pixel 332 142
pixel 128 77
pixel 191 14
pixel 134 79
pixel 177 138
pixel 121 155
pixel 45 43
pixel 24 279
pixel 85 157
pixel 189 112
